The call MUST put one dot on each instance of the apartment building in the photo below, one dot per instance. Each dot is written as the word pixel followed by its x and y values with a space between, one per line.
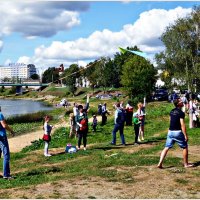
pixel 17 70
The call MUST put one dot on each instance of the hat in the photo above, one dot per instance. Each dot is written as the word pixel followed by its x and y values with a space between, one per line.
pixel 135 114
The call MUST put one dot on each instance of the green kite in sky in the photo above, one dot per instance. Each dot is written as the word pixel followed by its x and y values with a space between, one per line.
pixel 139 53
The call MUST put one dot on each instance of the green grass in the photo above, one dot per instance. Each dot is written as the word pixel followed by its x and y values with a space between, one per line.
pixel 101 159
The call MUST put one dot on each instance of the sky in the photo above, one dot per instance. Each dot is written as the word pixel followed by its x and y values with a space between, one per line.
pixel 49 33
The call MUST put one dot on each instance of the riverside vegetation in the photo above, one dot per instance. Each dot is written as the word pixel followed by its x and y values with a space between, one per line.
pixel 103 171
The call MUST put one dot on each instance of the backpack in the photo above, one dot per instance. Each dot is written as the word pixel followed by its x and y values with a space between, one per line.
pixel 99 109
pixel 84 124
pixel 120 117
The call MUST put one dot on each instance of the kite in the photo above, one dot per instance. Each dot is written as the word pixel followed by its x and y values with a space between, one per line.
pixel 139 53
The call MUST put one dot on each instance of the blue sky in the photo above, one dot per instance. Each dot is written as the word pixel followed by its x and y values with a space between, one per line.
pixel 49 33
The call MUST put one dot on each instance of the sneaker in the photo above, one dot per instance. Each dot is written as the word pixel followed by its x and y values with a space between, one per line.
pixel 136 144
pixel 139 140
pixel 112 143
pixel 84 148
pixel 142 138
pixel 8 177
pixel 123 144
pixel 47 155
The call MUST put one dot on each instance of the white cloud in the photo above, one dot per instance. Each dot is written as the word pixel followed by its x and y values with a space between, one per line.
pixel 45 20
pixel 42 19
pixel 144 33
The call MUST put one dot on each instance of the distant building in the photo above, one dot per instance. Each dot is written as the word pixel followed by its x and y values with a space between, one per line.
pixel 17 70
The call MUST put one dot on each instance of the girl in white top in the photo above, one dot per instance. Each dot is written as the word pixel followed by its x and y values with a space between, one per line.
pixel 47 135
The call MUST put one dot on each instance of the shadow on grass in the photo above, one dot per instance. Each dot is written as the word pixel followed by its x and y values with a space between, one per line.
pixel 196 164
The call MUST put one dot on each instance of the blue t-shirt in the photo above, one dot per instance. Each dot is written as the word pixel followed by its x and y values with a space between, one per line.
pixel 2 130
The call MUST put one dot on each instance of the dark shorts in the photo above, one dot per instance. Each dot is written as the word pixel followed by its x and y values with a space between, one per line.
pixel 176 136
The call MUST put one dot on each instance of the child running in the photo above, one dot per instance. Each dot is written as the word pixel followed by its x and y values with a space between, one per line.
pixel 47 135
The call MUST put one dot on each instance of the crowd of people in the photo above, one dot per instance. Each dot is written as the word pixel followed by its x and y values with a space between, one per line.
pixel 124 115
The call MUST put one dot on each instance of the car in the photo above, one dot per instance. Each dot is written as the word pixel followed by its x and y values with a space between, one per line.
pixel 160 95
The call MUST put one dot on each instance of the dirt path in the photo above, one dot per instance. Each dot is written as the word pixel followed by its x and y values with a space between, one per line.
pixel 17 143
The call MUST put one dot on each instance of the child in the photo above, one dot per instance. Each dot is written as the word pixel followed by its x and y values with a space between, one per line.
pixel 47 135
pixel 72 124
pixel 94 123
pixel 136 123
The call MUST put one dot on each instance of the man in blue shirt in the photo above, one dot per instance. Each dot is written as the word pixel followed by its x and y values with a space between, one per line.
pixel 119 125
pixel 177 133
pixel 4 146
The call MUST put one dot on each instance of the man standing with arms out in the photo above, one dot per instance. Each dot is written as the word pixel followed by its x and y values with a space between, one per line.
pixel 177 133
pixel 4 147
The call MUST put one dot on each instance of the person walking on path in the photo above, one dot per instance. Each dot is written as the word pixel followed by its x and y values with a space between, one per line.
pixel 5 146
pixel 177 133
pixel 119 125
pixel 136 123
pixel 82 124
pixel 47 135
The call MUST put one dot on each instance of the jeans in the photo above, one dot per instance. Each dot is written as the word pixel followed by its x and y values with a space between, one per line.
pixel 82 134
pixel 6 156
pixel 120 128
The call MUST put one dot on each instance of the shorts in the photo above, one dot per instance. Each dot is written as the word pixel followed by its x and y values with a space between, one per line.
pixel 176 136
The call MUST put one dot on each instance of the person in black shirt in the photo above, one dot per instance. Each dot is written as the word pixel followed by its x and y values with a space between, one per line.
pixel 177 133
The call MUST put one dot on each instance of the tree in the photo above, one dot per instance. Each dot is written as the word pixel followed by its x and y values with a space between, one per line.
pixel 138 77
pixel 70 77
pixel 35 76
pixel 180 57
pixel 50 75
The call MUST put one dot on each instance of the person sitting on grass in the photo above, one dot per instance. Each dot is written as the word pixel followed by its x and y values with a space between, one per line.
pixel 177 133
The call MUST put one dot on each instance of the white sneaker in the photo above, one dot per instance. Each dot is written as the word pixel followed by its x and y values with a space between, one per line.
pixel 84 148
pixel 139 140
pixel 142 138
pixel 47 155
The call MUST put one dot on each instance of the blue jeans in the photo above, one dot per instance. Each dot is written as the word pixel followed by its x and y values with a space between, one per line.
pixel 6 156
pixel 176 136
pixel 120 128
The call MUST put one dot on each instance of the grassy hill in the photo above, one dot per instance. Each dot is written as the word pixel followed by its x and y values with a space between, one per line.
pixel 106 171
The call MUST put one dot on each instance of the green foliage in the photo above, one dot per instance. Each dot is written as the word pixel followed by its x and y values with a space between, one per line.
pixel 50 75
pixel 138 77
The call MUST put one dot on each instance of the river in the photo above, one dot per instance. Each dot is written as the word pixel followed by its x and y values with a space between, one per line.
pixel 17 107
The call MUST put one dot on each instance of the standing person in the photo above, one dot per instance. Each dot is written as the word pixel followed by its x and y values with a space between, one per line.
pixel 47 135
pixel 103 114
pixel 141 115
pixel 136 123
pixel 177 133
pixel 191 109
pixel 119 125
pixel 5 146
pixel 129 114
pixel 72 125
pixel 75 109
pixel 82 123
pixel 94 123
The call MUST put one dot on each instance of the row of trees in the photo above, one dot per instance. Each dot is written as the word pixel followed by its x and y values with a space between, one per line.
pixel 179 63
pixel 134 73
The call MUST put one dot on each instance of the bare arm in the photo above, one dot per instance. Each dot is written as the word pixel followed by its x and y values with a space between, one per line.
pixel 5 125
pixel 183 128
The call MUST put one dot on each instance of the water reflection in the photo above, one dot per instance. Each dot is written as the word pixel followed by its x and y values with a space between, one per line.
pixel 17 107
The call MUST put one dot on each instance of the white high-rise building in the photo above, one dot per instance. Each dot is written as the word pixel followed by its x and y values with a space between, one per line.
pixel 17 70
